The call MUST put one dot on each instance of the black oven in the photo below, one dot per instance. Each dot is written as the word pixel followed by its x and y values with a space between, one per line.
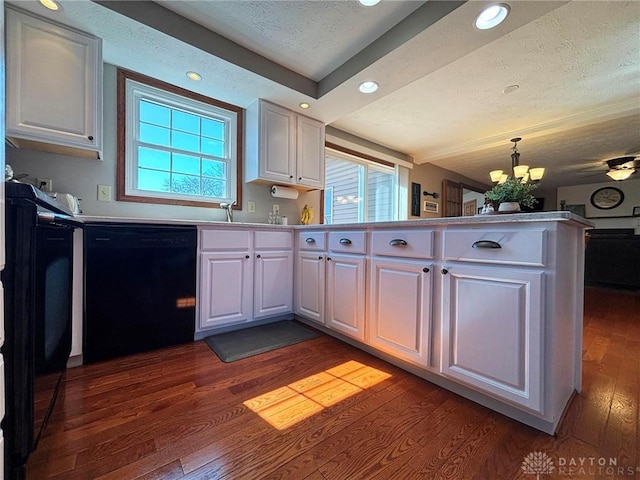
pixel 38 285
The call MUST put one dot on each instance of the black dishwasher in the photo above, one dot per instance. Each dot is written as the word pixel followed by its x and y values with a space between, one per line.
pixel 140 288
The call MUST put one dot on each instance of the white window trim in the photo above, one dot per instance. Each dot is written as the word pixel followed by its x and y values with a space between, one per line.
pixel 135 91
pixel 362 184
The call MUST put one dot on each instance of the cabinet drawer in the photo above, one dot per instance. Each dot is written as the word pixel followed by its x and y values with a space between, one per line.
pixel 350 242
pixel 518 247
pixel 224 239
pixel 311 241
pixel 280 240
pixel 402 243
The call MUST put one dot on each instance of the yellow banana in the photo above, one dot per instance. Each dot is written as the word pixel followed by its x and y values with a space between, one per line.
pixel 307 215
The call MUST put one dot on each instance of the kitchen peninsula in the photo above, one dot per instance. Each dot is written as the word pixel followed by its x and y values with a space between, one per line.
pixel 489 307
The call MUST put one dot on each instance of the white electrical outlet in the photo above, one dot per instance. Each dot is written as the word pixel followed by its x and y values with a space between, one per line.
pixel 276 209
pixel 104 193
pixel 45 184
pixel 251 206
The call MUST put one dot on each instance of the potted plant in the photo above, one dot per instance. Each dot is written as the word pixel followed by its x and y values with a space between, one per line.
pixel 513 192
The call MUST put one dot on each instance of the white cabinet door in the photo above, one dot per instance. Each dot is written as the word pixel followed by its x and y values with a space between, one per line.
pixel 310 153
pixel 493 331
pixel 226 289
pixel 345 294
pixel 54 84
pixel 273 282
pixel 277 143
pixel 400 308
pixel 309 285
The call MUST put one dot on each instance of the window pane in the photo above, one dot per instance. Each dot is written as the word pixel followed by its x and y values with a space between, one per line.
pixel 345 178
pixel 155 159
pixel 154 113
pixel 186 184
pixel 213 129
pixel 185 122
pixel 212 147
pixel 186 164
pixel 185 141
pixel 154 135
pixel 153 180
pixel 380 200
pixel 212 168
pixel 214 188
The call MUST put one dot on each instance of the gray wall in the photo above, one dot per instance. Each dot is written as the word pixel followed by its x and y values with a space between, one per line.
pixel 81 177
pixel 430 179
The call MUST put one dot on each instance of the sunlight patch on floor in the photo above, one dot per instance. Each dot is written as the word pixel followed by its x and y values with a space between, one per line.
pixel 286 406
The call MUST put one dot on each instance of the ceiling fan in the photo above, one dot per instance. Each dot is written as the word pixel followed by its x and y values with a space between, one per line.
pixel 621 168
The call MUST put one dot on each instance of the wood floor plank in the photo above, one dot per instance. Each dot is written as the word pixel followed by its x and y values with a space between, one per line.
pixel 181 413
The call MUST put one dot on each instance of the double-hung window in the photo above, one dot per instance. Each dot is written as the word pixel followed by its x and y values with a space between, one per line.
pixel 179 147
pixel 359 190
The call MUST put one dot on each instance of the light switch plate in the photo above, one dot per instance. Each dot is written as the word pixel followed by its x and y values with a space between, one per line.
pixel 276 209
pixel 251 206
pixel 104 193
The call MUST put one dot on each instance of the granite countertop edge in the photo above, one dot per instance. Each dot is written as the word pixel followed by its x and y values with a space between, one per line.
pixel 562 216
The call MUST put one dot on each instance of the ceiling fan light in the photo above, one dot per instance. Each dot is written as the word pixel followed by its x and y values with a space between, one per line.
pixel 621 174
pixel 519 171
pixel 536 173
pixel 495 175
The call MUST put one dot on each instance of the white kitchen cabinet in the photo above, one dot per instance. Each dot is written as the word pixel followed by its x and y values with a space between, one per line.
pixel 283 147
pixel 310 275
pixel 309 152
pixel 309 290
pixel 493 327
pixel 226 289
pixel 54 86
pixel 273 274
pixel 345 294
pixel 273 283
pixel 399 317
pixel 245 275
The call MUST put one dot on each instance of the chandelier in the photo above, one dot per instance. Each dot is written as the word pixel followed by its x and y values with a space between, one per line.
pixel 522 172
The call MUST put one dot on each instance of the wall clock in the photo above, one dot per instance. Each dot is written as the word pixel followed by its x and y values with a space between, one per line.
pixel 606 198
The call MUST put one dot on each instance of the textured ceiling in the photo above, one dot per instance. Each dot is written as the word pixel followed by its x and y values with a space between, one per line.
pixel 577 64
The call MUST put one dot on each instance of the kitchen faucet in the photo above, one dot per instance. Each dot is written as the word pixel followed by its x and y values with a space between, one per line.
pixel 228 208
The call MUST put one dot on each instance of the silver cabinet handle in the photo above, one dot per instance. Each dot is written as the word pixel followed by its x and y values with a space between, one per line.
pixel 486 244
pixel 310 240
pixel 398 242
pixel 345 241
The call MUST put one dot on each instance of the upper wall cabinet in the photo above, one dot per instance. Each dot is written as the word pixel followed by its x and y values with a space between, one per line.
pixel 283 147
pixel 54 87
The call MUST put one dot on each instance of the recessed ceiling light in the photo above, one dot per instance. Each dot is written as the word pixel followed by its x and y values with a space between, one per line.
pixel 492 16
pixel 50 4
pixel 304 105
pixel 510 88
pixel 195 76
pixel 369 3
pixel 368 87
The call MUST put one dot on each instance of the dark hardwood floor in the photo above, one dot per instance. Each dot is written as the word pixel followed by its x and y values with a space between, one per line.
pixel 181 413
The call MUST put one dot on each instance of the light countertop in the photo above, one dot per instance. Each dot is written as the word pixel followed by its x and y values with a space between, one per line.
pixel 562 216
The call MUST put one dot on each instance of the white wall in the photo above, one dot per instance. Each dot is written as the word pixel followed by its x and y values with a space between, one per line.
pixel 81 177
pixel 619 217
